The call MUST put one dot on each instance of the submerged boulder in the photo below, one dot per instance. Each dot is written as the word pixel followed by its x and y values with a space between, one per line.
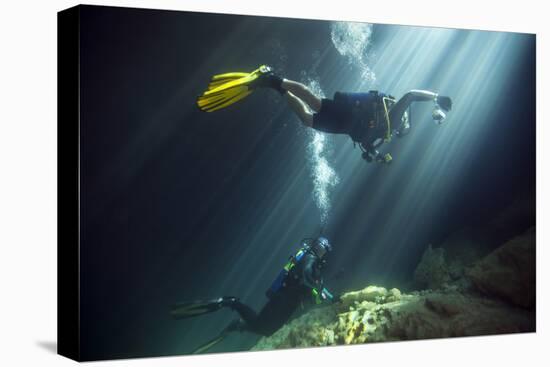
pixel 370 294
pixel 433 271
pixel 509 271
pixel 375 314
pixel 451 262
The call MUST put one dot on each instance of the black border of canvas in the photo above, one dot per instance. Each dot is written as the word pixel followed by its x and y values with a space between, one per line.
pixel 68 187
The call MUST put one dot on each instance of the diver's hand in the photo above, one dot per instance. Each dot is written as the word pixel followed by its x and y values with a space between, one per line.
pixel 444 102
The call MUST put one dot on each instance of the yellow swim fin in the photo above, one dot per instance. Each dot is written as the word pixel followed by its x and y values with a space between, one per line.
pixel 226 89
pixel 220 79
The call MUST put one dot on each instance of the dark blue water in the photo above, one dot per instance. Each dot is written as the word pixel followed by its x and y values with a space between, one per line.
pixel 181 205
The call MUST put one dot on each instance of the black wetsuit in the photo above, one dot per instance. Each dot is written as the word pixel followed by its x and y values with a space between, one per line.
pixel 360 115
pixel 363 115
pixel 299 283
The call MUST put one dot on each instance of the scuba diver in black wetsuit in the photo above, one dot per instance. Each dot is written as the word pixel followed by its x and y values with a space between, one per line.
pixel 370 119
pixel 300 280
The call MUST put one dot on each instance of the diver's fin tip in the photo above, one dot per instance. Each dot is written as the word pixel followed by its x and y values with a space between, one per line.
pixel 229 88
pixel 191 309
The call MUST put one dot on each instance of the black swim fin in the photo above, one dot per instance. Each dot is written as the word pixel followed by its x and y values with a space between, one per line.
pixel 235 325
pixel 206 346
pixel 191 309
pixel 185 310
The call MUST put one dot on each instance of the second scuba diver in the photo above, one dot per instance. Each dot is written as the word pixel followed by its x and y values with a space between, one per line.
pixel 370 118
pixel 300 280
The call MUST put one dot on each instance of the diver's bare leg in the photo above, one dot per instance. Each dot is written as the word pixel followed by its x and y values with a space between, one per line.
pixel 302 92
pixel 397 111
pixel 299 107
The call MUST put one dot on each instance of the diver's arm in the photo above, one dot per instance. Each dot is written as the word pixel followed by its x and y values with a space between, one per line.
pixel 312 279
pixel 422 95
pixel 444 102
pixel 417 95
pixel 310 276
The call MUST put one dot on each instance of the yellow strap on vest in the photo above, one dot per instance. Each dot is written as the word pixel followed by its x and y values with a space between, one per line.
pixel 387 138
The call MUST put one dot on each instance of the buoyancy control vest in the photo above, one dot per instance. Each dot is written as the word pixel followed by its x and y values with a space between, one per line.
pixel 283 278
pixel 370 116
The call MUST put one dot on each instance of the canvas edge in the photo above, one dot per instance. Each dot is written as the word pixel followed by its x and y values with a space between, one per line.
pixel 68 185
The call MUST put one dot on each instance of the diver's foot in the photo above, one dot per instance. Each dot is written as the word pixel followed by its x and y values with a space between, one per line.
pixel 268 79
pixel 444 102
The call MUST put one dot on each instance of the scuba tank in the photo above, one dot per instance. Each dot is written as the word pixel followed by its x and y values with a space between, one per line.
pixel 282 279
pixel 286 276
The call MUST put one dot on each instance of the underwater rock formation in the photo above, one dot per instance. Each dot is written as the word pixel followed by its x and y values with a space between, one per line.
pixel 509 271
pixel 451 262
pixel 439 270
pixel 433 271
pixel 376 314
